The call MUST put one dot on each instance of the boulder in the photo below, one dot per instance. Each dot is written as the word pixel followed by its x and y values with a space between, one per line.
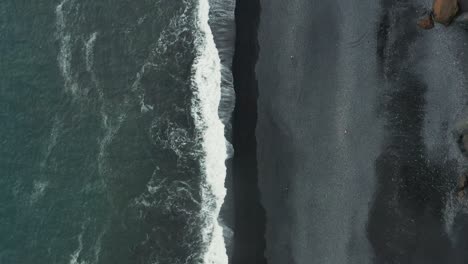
pixel 426 22
pixel 444 11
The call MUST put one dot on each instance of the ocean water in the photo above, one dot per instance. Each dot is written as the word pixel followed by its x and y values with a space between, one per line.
pixel 114 131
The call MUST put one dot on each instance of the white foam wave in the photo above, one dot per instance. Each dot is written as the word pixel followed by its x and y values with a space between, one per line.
pixel 109 125
pixel 206 85
pixel 41 184
pixel 106 124
pixel 174 194
pixel 39 188
pixel 169 37
pixel 54 133
pixel 65 55
pixel 89 51
pixel 76 254
pixel 98 246
pixel 222 22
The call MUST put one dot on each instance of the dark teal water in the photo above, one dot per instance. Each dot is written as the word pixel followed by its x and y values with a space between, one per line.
pixel 99 154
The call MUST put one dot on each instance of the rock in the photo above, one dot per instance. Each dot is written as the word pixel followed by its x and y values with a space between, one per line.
pixel 444 11
pixel 426 22
pixel 461 186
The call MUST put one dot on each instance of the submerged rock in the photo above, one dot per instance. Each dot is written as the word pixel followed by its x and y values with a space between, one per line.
pixel 444 11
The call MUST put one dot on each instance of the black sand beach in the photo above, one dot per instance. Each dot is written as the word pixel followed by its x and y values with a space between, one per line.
pixel 357 162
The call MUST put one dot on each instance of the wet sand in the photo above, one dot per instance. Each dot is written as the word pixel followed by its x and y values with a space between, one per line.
pixel 249 219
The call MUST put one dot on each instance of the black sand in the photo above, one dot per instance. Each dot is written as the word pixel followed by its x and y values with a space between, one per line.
pixel 249 229
pixel 356 156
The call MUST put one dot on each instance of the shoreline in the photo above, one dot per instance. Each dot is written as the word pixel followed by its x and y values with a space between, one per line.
pixel 250 222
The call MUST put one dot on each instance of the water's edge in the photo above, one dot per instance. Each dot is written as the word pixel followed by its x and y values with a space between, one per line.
pixel 221 21
pixel 249 235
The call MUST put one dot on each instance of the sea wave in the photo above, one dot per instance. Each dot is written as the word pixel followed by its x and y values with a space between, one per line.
pixel 206 85
pixel 222 23
pixel 223 26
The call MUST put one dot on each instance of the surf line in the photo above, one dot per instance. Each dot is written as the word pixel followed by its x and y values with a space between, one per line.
pixel 206 88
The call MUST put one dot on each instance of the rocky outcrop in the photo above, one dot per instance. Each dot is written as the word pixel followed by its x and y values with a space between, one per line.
pixel 444 11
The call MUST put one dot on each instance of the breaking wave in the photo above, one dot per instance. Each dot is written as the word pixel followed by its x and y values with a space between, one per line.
pixel 207 88
pixel 212 103
pixel 222 23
